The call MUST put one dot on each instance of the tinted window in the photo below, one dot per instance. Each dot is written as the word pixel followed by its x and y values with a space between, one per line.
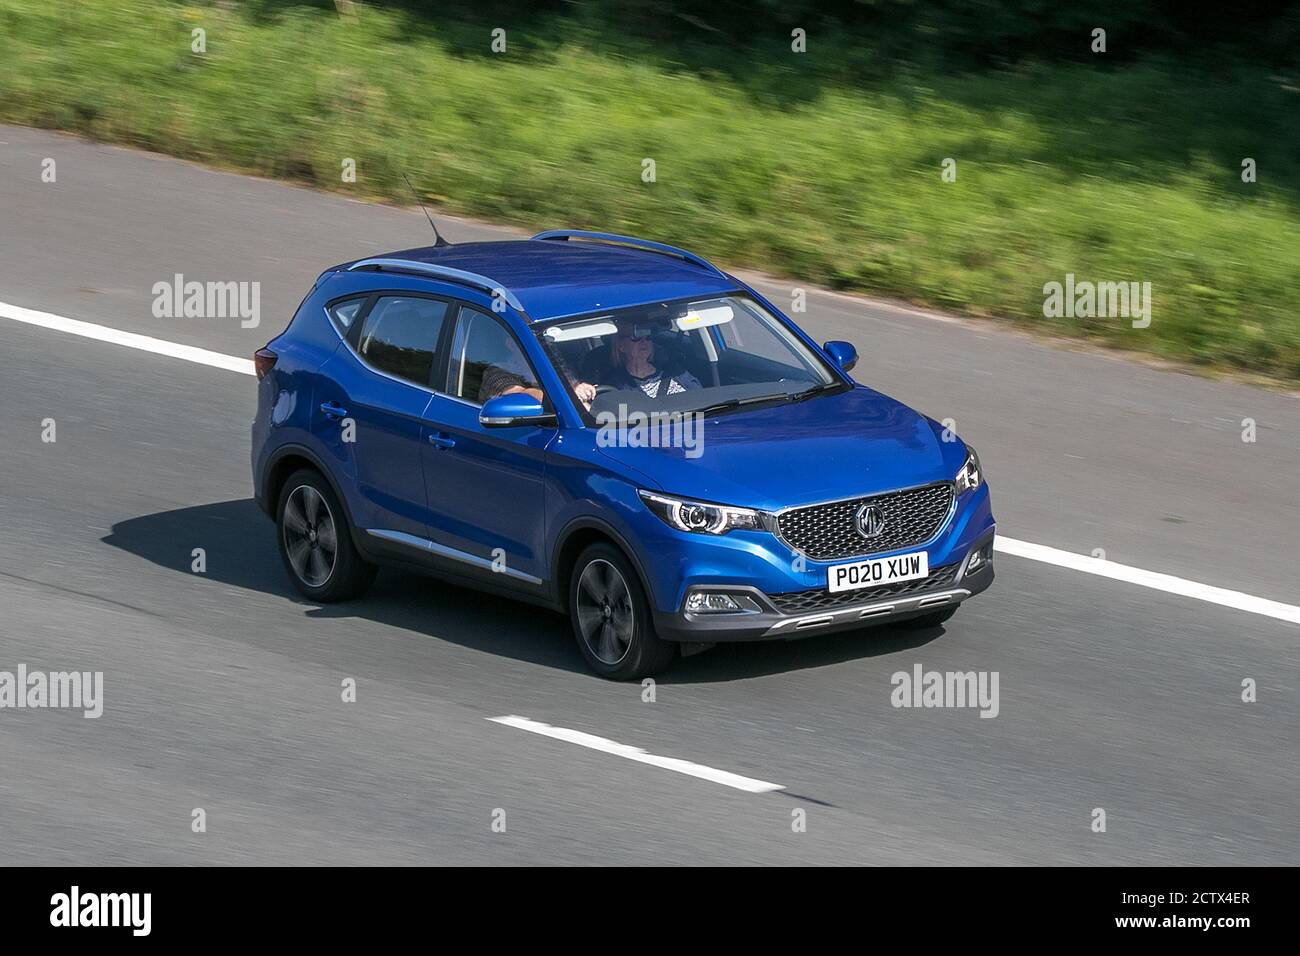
pixel 400 336
pixel 344 313
pixel 486 360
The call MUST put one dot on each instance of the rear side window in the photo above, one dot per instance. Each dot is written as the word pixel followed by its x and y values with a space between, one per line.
pixel 343 314
pixel 400 336
pixel 486 360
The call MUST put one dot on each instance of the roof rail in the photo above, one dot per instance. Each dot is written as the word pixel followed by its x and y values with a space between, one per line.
pixel 445 273
pixel 614 239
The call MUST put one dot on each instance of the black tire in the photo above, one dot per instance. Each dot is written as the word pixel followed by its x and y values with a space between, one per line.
pixel 309 519
pixel 931 620
pixel 611 617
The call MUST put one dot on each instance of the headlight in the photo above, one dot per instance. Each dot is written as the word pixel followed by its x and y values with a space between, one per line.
pixel 970 477
pixel 698 517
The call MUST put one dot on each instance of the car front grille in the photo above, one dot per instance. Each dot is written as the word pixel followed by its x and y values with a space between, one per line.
pixel 798 602
pixel 829 531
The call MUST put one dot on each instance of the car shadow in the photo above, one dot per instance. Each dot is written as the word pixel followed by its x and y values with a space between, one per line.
pixel 239 544
pixel 741 661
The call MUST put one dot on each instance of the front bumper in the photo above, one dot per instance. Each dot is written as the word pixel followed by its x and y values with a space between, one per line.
pixel 945 587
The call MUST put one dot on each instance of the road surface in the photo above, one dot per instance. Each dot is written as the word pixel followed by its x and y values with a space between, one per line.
pixel 222 690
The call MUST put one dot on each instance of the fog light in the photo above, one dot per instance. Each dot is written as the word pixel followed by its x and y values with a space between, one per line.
pixel 979 557
pixel 708 602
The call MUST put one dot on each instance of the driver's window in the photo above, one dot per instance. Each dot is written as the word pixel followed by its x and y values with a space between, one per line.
pixel 487 361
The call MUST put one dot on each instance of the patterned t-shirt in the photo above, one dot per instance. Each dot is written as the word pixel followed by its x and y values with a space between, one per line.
pixel 654 384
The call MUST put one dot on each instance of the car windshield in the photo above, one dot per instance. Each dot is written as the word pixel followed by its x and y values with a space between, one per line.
pixel 702 355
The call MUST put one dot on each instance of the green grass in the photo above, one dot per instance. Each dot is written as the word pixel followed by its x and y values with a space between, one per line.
pixel 771 160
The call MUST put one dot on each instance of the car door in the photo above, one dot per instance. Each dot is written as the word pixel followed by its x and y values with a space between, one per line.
pixel 382 382
pixel 485 485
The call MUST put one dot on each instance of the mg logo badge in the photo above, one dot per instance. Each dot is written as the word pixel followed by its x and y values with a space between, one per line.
pixel 870 521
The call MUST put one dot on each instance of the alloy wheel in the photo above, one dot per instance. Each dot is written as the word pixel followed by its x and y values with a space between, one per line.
pixel 604 608
pixel 310 536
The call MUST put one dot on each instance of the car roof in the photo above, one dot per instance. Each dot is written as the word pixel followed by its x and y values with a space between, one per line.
pixel 555 278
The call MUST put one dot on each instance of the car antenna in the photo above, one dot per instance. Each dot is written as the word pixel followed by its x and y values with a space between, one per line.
pixel 438 240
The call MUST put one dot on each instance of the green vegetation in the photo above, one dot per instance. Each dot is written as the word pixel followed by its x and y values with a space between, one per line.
pixel 823 166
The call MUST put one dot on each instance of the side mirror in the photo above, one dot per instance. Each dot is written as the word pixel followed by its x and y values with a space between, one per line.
pixel 517 408
pixel 842 354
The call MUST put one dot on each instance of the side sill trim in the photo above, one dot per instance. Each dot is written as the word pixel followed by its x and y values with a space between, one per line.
pixel 430 547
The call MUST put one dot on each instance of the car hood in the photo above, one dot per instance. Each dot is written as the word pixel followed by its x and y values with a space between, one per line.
pixel 857 442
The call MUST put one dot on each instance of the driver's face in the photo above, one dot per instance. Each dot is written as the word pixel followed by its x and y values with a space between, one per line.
pixel 633 347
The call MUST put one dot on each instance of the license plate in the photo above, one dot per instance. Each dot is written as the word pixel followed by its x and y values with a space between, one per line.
pixel 877 572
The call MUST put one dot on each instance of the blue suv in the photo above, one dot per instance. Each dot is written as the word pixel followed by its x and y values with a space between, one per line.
pixel 614 429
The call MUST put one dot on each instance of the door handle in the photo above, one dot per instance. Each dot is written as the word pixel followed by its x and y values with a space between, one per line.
pixel 441 440
pixel 333 410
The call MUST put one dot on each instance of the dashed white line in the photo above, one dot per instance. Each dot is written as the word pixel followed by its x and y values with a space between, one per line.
pixel 727 779
pixel 131 340
pixel 1148 579
pixel 1022 549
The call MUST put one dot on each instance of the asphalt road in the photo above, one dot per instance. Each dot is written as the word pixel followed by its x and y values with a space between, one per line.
pixel 222 690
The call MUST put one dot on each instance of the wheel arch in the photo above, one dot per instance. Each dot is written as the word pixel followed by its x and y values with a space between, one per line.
pixel 575 538
pixel 283 463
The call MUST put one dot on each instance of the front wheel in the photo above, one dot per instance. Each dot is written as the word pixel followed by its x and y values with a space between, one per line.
pixel 315 543
pixel 611 617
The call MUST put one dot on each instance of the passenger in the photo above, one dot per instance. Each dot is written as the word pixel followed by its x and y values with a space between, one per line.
pixel 499 380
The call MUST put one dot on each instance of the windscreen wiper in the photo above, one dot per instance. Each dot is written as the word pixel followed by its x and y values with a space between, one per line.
pixel 737 402
pixel 815 390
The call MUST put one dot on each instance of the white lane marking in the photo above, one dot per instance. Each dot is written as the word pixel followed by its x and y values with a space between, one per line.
pixel 1022 549
pixel 1148 579
pixel 727 779
pixel 131 340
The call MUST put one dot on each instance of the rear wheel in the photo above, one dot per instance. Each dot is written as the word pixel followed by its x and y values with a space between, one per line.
pixel 315 542
pixel 611 617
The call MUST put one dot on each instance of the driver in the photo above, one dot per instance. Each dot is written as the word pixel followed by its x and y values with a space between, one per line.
pixel 635 367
